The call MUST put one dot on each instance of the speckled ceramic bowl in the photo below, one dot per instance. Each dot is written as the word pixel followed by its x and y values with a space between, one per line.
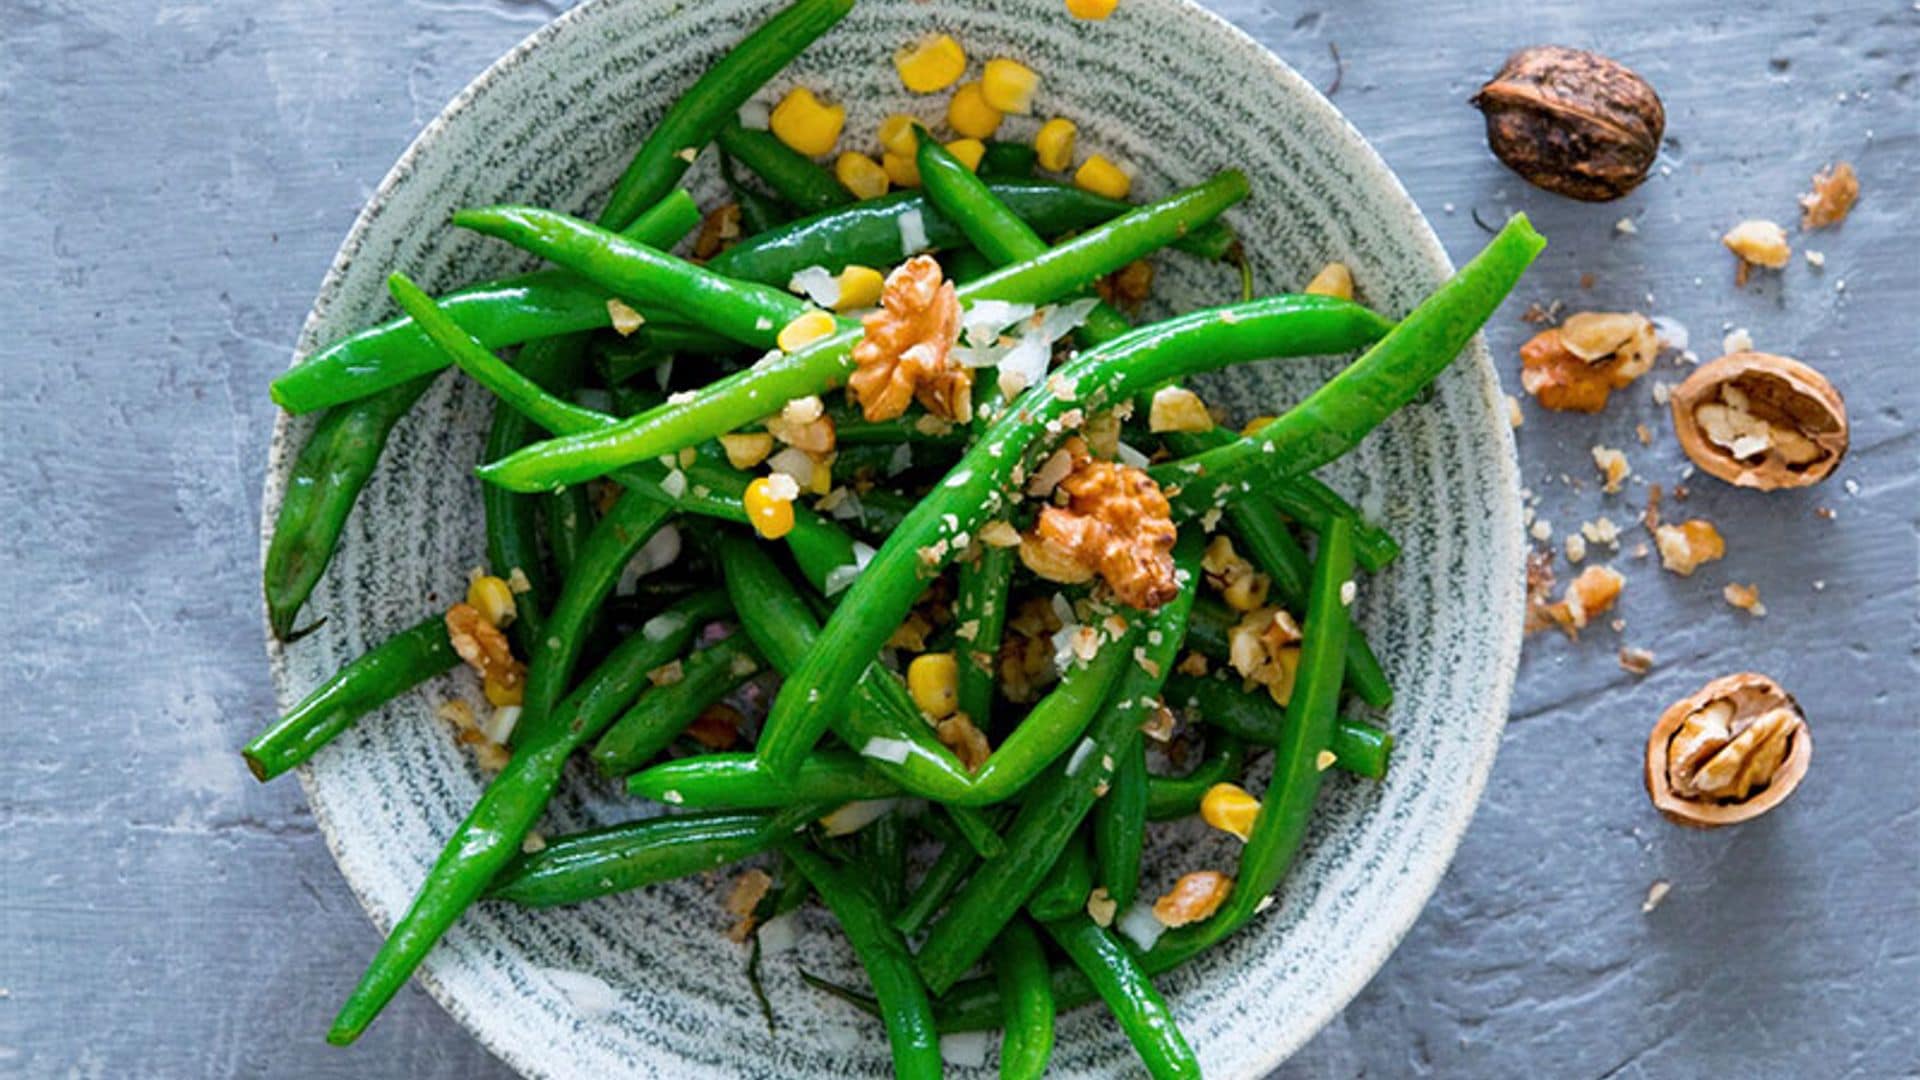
pixel 646 984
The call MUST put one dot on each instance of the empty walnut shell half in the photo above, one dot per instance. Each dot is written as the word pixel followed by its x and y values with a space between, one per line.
pixel 1732 751
pixel 1573 122
pixel 1761 421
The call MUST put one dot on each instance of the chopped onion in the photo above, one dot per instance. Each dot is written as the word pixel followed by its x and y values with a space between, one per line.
pixel 1080 755
pixel 793 462
pixel 674 484
pixel 901 461
pixel 663 626
pixel 884 749
pixel 819 286
pixel 659 552
pixel 1140 926
pixel 840 578
pixel 913 233
pixel 856 816
pixel 778 934
pixel 965 1049
pixel 499 727
pixel 1129 456
pixel 983 320
pixel 590 994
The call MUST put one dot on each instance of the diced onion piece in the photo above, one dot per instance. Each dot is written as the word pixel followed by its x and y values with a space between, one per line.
pixel 857 815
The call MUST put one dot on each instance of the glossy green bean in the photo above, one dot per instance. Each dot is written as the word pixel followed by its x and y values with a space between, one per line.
pixel 381 674
pixel 714 100
pixel 1007 160
pixel 955 861
pixel 1334 418
pixel 568 515
pixel 1026 1025
pixel 792 176
pixel 733 781
pixel 656 342
pixel 491 834
pixel 1217 700
pixel 880 850
pixel 1120 827
pixel 973 492
pixel 601 862
pixel 759 212
pixel 513 520
pixel 1064 889
pixel 902 999
pixel 1170 797
pixel 748 395
pixel 1141 1011
pixel 980 602
pixel 663 712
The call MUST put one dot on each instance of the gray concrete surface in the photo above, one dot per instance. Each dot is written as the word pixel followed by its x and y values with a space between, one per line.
pixel 175 177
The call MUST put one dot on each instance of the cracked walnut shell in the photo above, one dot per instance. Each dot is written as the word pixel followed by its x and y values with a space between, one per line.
pixel 1728 753
pixel 906 350
pixel 1761 421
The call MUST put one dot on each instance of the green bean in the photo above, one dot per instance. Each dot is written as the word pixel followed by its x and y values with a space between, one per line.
pixel 385 671
pixel 1064 889
pixel 758 213
pixel 955 861
pixel 1020 970
pixel 881 852
pixel 1170 797
pixel 902 999
pixel 964 265
pixel 322 484
pixel 792 176
pixel 513 519
pixel 1334 418
pixel 974 490
pixel 732 781
pixel 1054 808
pixel 751 394
pixel 569 517
pixel 1141 1011
pixel 664 711
pixel 980 602
pixel 601 862
pixel 1310 502
pixel 655 343
pixel 979 828
pixel 714 100
pixel 1007 160
pixel 492 832
pixel 1218 701
pixel 500 313
pixel 1120 827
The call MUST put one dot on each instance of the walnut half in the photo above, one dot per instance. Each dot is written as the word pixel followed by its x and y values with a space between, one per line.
pixel 1761 421
pixel 1730 752
pixel 1116 523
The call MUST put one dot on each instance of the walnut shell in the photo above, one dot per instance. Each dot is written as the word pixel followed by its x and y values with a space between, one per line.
pixel 1805 430
pixel 1573 122
pixel 1750 694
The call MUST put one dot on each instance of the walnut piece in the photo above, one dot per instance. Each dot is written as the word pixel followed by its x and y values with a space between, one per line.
pixel 1744 597
pixel 1730 752
pixel 1026 650
pixel 1264 648
pixel 748 890
pixel 1834 190
pixel 967 742
pixel 718 231
pixel 1760 421
pixel 1575 366
pixel 1613 467
pixel 905 352
pixel 1757 243
pixel 1127 287
pixel 1233 577
pixel 483 646
pixel 1194 897
pixel 1587 598
pixel 717 727
pixel 1176 408
pixel 1116 523
pixel 1685 546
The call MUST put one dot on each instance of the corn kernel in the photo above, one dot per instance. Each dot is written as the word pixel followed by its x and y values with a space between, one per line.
pixel 930 65
pixel 860 175
pixel 772 517
pixel 1094 10
pixel 1230 809
pixel 820 478
pixel 1254 425
pixel 492 597
pixel 805 123
pixel 1053 144
pixel 1103 177
pixel 501 691
pixel 1334 279
pixel 1008 86
pixel 804 330
pixel 747 451
pixel 969 151
pixel 896 134
pixel 860 287
pixel 934 681
pixel 902 169
pixel 969 115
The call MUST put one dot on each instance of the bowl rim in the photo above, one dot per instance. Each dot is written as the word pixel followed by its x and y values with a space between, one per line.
pixel 1408 903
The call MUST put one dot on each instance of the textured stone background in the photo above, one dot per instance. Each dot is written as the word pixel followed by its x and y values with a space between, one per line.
pixel 174 179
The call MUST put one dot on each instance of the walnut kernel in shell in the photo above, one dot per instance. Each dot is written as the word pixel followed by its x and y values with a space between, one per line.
pixel 1761 421
pixel 1728 753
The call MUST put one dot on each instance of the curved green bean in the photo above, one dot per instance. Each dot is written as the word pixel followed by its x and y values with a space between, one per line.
pixel 1218 701
pixel 1063 891
pixel 1020 970
pixel 1170 797
pixel 1120 827
pixel 662 713
pixel 601 862
pixel 792 176
pixel 734 781
pixel 1141 1011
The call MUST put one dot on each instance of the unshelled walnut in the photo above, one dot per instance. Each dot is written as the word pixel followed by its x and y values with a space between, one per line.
pixel 1576 366
pixel 1573 122
pixel 1760 421
pixel 1728 753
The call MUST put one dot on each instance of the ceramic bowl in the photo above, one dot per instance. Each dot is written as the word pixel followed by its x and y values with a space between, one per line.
pixel 647 984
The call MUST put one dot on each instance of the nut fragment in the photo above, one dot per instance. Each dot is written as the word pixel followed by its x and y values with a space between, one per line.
pixel 1730 752
pixel 1757 243
pixel 1233 577
pixel 958 734
pixel 1176 408
pixel 1194 897
pixel 1575 366
pixel 1685 546
pixel 1573 122
pixel 1116 523
pixel 1587 597
pixel 483 647
pixel 1761 421
pixel 1831 200
pixel 1613 467
pixel 1264 648
pixel 905 351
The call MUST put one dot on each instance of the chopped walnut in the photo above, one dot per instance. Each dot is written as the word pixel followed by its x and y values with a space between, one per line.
pixel 626 321
pixel 1744 597
pixel 911 634
pixel 1728 753
pixel 1026 650
pixel 1175 408
pixel 718 231
pixel 1158 725
pixel 1194 663
pixel 1116 523
pixel 1574 367
pixel 1264 648
pixel 1635 661
pixel 717 727
pixel 804 425
pixel 1101 907
pixel 1588 596
pixel 1194 897
pixel 490 755
pixel 1233 577
pixel 1540 582
pixel 1613 467
pixel 748 890
pixel 1127 287
pixel 967 742
pixel 1684 547
pixel 1831 200
pixel 1757 243
pixel 904 354
pixel 483 646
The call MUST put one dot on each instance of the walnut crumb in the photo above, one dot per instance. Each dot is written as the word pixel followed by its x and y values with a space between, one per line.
pixel 1757 242
pixel 748 890
pixel 1744 597
pixel 1834 190
pixel 1613 467
pixel 1684 547
pixel 1194 897
pixel 1656 892
pixel 1636 661
pixel 968 743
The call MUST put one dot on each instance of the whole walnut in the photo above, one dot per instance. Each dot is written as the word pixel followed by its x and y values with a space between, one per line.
pixel 1573 122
